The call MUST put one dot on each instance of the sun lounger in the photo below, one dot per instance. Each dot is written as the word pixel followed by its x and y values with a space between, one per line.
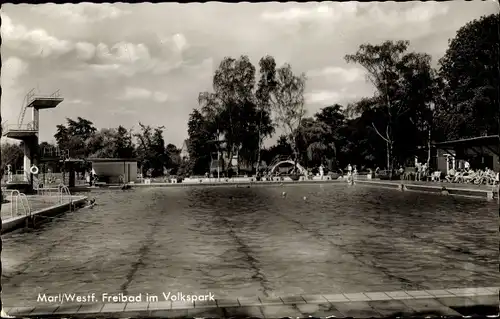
pixel 435 177
pixel 469 178
pixel 458 177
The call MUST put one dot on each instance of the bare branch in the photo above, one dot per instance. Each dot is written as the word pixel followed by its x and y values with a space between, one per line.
pixel 385 139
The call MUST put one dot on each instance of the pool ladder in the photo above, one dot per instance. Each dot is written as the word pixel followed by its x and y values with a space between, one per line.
pixel 62 191
pixel 18 199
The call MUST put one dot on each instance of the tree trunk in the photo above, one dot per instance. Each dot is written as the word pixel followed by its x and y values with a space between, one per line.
pixel 238 162
pixel 258 156
pixel 429 150
pixel 230 159
pixel 388 152
pixel 389 158
pixel 295 158
pixel 258 150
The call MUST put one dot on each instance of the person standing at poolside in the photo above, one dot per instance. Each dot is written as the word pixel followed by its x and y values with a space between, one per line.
pixel 354 173
pixel 321 171
pixel 418 167
pixel 349 173
pixel 467 166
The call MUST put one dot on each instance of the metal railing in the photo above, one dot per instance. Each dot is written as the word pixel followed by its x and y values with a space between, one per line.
pixel 18 200
pixel 51 151
pixel 43 191
pixel 32 96
pixel 63 190
pixel 31 126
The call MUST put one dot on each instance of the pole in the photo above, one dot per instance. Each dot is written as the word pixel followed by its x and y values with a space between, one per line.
pixel 429 127
pixel 218 157
pixel 429 150
pixel 218 165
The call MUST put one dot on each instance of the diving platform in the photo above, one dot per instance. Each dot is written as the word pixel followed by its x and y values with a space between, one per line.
pixel 28 133
pixel 42 102
pixel 20 131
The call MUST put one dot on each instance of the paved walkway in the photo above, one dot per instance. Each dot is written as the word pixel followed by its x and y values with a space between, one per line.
pixel 451 302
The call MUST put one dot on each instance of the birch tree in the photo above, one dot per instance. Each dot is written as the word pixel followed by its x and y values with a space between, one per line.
pixel 287 103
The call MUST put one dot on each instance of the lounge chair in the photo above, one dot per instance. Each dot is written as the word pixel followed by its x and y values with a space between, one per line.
pixel 483 177
pixel 458 177
pixel 470 177
pixel 435 177
pixel 450 178
pixel 488 178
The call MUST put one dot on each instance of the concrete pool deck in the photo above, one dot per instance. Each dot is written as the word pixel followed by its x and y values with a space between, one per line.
pixel 42 206
pixel 451 302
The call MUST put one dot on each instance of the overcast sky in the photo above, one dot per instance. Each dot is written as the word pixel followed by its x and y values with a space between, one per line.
pixel 121 64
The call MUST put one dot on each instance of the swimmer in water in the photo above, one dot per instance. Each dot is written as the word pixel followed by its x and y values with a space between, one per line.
pixel 91 203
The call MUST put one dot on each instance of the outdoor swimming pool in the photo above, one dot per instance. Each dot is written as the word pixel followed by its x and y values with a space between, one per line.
pixel 253 242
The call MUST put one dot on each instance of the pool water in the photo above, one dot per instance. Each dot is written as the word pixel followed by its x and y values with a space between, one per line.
pixel 244 242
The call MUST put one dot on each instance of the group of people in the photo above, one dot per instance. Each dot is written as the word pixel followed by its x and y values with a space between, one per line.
pixel 422 171
pixel 352 171
pixel 468 175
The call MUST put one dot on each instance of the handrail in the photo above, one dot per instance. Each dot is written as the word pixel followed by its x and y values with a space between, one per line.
pixel 27 208
pixel 63 189
pixel 31 126
pixel 13 202
pixel 15 198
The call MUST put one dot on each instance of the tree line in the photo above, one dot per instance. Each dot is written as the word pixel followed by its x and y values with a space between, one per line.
pixel 414 105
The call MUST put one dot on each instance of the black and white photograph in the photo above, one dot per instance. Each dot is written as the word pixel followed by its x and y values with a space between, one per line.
pixel 250 160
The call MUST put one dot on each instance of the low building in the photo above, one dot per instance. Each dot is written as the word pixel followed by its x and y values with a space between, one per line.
pixel 115 170
pixel 481 152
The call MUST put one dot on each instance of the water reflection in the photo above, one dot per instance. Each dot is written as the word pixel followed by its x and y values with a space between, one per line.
pixel 252 241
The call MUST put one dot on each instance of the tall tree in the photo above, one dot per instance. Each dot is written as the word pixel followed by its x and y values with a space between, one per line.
pixel 417 92
pixel 400 79
pixel 174 158
pixel 334 119
pixel 266 85
pixel 124 143
pixel 287 102
pixel 101 144
pixel 200 143
pixel 470 72
pixel 82 128
pixel 226 107
pixel 311 141
pixel 151 149
pixel 72 136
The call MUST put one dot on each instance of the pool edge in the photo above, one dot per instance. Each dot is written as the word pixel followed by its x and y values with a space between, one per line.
pixel 19 222
pixel 445 301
